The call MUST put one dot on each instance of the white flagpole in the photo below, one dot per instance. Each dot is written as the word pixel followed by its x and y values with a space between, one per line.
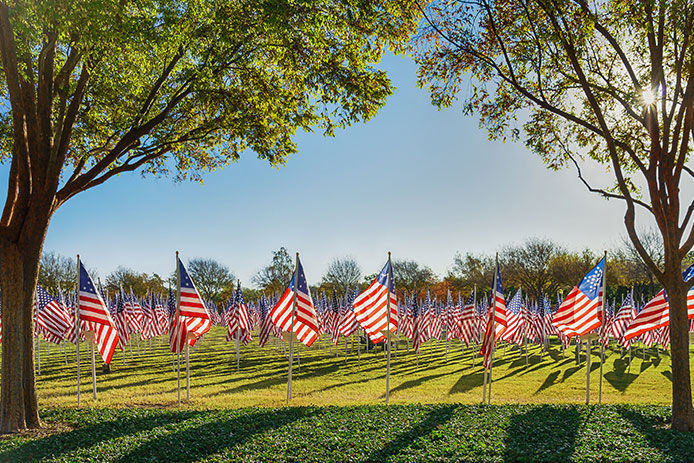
pixel 602 344
pixel 90 338
pixel 38 345
pixel 187 370
pixel 474 315
pixel 291 329
pixel 388 282
pixel 177 327
pixel 77 329
pixel 491 362
pixel 238 329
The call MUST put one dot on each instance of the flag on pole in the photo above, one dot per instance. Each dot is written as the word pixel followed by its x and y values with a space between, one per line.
pixel 498 321
pixel 370 306
pixel 93 311
pixel 581 311
pixel 305 319
pixel 51 316
pixel 193 317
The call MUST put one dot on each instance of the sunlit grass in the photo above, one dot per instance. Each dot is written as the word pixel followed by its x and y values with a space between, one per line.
pixel 327 376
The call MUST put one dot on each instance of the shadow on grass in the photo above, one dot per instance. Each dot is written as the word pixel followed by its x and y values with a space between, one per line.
pixel 436 417
pixel 551 380
pixel 619 378
pixel 91 435
pixel 468 382
pixel 655 428
pixel 543 433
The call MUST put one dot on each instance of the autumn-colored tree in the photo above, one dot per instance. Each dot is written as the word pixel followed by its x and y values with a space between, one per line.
pixel 608 81
pixel 96 89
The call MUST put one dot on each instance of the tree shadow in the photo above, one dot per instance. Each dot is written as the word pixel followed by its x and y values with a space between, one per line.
pixel 434 419
pixel 91 435
pixel 204 440
pixel 676 445
pixel 527 434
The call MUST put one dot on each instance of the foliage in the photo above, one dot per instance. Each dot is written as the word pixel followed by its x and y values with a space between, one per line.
pixel 343 275
pixel 57 271
pixel 139 283
pixel 211 278
pixel 396 433
pixel 409 274
pixel 275 277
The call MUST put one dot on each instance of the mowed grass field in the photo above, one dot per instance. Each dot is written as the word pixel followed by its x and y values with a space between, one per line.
pixel 330 375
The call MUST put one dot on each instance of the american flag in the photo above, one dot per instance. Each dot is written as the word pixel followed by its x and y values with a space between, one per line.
pixel 51 316
pixel 467 320
pixel 92 310
pixel 265 324
pixel 516 320
pixel 348 321
pixel 623 317
pixel 119 319
pixel 370 306
pixel 305 320
pixel 580 313
pixel 498 321
pixel 238 319
pixel 654 315
pixel 193 319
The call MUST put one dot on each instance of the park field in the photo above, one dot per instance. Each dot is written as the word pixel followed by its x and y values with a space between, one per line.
pixel 326 376
pixel 337 413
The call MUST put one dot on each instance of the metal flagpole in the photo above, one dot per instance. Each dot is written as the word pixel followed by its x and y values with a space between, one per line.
pixel 602 344
pixel 491 363
pixel 38 345
pixel 187 371
pixel 177 327
pixel 238 330
pixel 388 282
pixel 291 329
pixel 90 339
pixel 588 343
pixel 474 308
pixel 77 330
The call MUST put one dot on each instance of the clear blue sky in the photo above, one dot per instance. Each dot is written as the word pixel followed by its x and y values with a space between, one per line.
pixel 416 181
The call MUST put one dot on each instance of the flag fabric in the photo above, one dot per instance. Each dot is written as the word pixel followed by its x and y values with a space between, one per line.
pixel 238 320
pixel 580 313
pixel 516 320
pixel 370 306
pixel 193 318
pixel 654 315
pixel 468 320
pixel 305 319
pixel 94 312
pixel 51 316
pixel 496 321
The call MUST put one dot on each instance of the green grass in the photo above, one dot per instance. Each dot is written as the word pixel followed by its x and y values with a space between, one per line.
pixel 337 412
pixel 400 433
pixel 326 378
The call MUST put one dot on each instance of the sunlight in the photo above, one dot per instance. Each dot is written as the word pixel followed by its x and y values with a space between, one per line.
pixel 648 96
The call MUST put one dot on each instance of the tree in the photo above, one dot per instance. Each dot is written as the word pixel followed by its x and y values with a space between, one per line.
pixel 57 271
pixel 608 81
pixel 211 278
pixel 473 271
pixel 275 277
pixel 408 274
pixel 139 283
pixel 94 90
pixel 536 267
pixel 343 274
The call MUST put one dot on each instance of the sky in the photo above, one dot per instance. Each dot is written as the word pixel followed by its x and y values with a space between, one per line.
pixel 419 182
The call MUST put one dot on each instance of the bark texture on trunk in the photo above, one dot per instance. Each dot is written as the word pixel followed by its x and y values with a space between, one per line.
pixel 682 413
pixel 18 277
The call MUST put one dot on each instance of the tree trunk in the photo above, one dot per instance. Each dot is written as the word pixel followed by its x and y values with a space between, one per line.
pixel 682 414
pixel 18 277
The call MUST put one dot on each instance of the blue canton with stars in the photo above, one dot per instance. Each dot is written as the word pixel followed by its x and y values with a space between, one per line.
pixel 383 277
pixel 590 286
pixel 86 283
pixel 186 282
pixel 303 286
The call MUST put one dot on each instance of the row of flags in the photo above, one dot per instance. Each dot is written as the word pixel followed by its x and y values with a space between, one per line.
pixel 486 321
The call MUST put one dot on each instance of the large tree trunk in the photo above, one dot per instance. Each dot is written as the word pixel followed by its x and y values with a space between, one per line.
pixel 18 276
pixel 682 414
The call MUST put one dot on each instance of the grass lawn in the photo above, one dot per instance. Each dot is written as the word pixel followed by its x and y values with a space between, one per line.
pixel 337 412
pixel 325 378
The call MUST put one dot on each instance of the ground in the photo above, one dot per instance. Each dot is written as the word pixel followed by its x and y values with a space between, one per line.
pixel 337 412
